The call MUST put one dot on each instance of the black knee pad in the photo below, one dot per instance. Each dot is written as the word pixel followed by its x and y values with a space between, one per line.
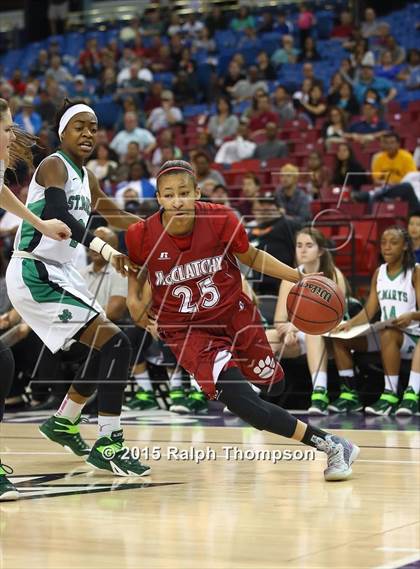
pixel 7 366
pixel 241 399
pixel 113 373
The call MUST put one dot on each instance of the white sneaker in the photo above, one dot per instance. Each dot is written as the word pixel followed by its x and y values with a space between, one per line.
pixel 341 453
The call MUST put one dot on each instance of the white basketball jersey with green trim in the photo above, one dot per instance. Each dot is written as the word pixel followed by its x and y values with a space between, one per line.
pixel 396 294
pixel 78 199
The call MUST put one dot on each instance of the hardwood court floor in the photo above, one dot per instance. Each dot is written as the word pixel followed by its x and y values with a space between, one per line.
pixel 218 514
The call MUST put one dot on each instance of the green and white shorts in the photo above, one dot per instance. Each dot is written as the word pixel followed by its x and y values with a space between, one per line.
pixel 52 298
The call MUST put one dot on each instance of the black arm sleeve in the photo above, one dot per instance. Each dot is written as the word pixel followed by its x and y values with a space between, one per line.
pixel 56 207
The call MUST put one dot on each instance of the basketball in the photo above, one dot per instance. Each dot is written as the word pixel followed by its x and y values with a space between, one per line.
pixel 315 305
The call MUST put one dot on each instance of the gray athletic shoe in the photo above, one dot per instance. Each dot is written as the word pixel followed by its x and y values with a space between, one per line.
pixel 341 453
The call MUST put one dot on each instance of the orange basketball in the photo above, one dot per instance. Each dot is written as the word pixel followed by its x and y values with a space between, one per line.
pixel 315 305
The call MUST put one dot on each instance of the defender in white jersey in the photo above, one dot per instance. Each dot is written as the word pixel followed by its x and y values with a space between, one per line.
pixel 52 298
pixel 395 291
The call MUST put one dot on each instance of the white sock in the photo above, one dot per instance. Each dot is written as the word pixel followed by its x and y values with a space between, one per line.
pixel 319 379
pixel 194 384
pixel 414 381
pixel 107 424
pixel 176 380
pixel 346 373
pixel 391 383
pixel 143 380
pixel 69 409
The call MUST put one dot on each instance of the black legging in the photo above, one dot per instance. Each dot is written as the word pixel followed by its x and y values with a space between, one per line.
pixel 404 191
pixel 7 367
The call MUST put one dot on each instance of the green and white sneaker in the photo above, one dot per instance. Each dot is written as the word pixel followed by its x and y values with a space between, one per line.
pixel 142 401
pixel 386 404
pixel 319 402
pixel 409 404
pixel 66 433
pixel 346 402
pixel 179 401
pixel 197 401
pixel 8 491
pixel 110 454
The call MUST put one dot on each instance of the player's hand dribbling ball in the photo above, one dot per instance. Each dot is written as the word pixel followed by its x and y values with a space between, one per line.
pixel 315 305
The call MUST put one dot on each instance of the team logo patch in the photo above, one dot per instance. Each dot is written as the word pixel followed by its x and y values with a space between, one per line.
pixel 164 256
pixel 65 316
pixel 265 368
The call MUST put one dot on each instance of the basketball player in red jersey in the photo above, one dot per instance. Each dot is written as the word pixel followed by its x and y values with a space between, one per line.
pixel 190 250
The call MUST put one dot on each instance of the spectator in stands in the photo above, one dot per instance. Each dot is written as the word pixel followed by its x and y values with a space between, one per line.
pixel 203 172
pixel 238 149
pixel 317 176
pixel 266 70
pixel 267 23
pixel 282 25
pixel 407 190
pixel 249 39
pixel 348 171
pixel 129 105
pixel 162 62
pixel 261 112
pixel 369 26
pixel 391 165
pixel 132 155
pixel 224 123
pixel 90 57
pixel 152 23
pixel 17 82
pixel 41 64
pixel 309 51
pixel 361 55
pixel 233 75
pixel 216 20
pixel 274 233
pixel 129 32
pixel 242 20
pixel 367 80
pixel 282 104
pixel 154 97
pixel 250 190
pixel 414 233
pixel 285 54
pixel 45 107
pixel 28 119
pixel 220 195
pixel 410 74
pixel 272 147
pixel 386 68
pixel 58 71
pixel 192 27
pixel 396 50
pixel 166 115
pixel 305 23
pixel 166 138
pixel 176 45
pixel 101 166
pixel 139 181
pixel 135 81
pixel 246 88
pixel 127 58
pixel 315 107
pixel 145 138
pixel 58 11
pixel 204 144
pixel 302 94
pixel 370 127
pixel 108 83
pixel 343 30
pixel 334 127
pixel 175 24
pixel 79 89
pixel 292 200
pixel 204 42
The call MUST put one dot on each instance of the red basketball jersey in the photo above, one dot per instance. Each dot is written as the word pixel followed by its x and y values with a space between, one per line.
pixel 198 283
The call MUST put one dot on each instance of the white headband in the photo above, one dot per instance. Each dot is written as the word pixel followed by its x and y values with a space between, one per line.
pixel 69 114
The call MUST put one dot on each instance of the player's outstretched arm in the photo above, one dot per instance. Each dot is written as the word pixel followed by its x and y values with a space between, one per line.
pixel 367 313
pixel 139 298
pixel 53 228
pixel 266 264
pixel 101 203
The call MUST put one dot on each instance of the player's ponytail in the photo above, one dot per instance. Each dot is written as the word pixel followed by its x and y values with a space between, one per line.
pixel 21 147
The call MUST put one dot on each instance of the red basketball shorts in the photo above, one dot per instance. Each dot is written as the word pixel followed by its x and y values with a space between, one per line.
pixel 236 338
